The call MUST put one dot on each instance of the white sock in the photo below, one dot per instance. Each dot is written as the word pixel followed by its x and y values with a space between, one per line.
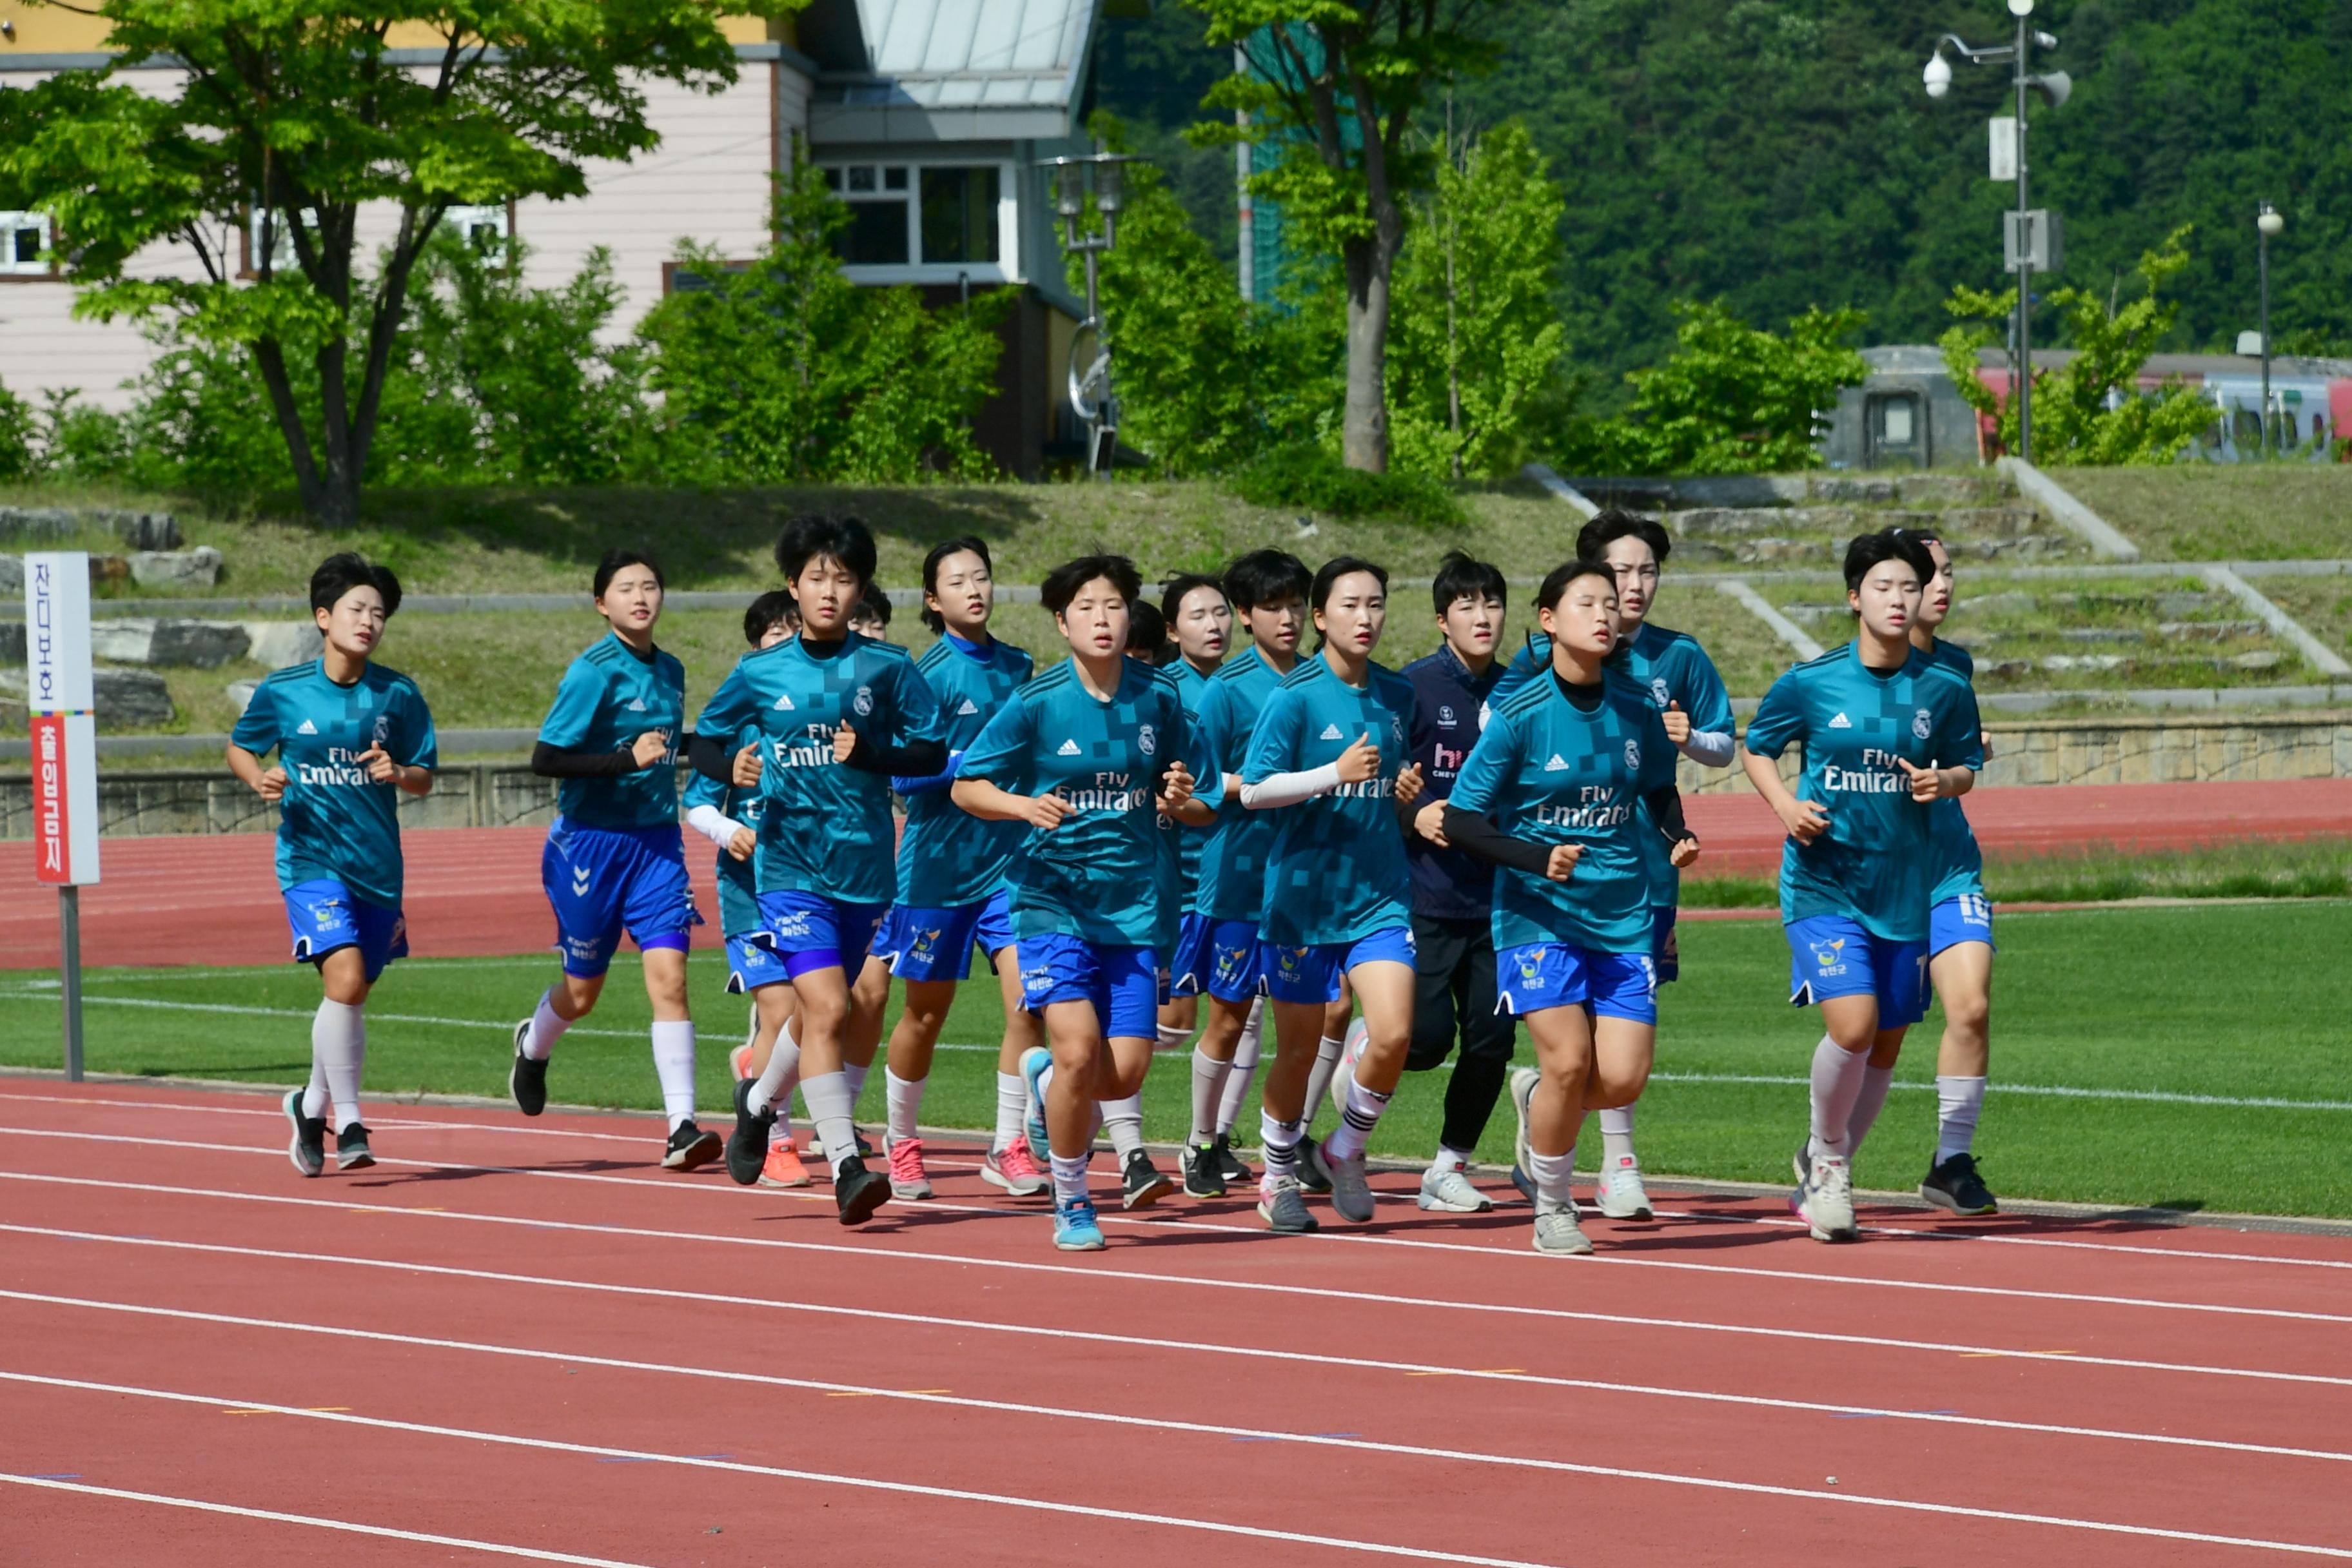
pixel 1280 1142
pixel 674 1065
pixel 1209 1076
pixel 1837 1083
pixel 1958 1102
pixel 1245 1072
pixel 1617 1138
pixel 1123 1119
pixel 314 1097
pixel 1449 1159
pixel 1012 1107
pixel 1320 1076
pixel 902 1099
pixel 1172 1038
pixel 856 1077
pixel 1069 1176
pixel 1876 1082
pixel 338 1046
pixel 833 1109
pixel 784 1070
pixel 1550 1174
pixel 1360 1112
pixel 546 1028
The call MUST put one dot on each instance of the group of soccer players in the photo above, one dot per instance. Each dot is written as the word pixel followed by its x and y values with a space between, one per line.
pixel 1381 862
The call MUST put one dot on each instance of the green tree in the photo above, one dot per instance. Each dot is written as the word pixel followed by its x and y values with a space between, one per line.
pixel 296 117
pixel 16 454
pixel 2093 411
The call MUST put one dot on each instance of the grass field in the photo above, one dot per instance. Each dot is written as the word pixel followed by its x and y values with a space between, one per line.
pixel 2255 869
pixel 2179 1058
pixel 2223 511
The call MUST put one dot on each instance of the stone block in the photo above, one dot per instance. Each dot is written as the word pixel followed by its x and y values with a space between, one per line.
pixel 1950 490
pixel 1872 493
pixel 2179 604
pixel 274 644
pixel 177 644
pixel 2103 633
pixel 241 692
pixel 2261 658
pixel 1733 522
pixel 141 530
pixel 36 523
pixel 197 568
pixel 12 642
pixel 1741 489
pixel 1754 552
pixel 12 574
pixel 126 699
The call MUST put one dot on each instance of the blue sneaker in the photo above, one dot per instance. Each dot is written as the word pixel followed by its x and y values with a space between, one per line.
pixel 1034 1061
pixel 1075 1226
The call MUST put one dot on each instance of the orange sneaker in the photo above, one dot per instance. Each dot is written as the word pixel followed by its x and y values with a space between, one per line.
pixel 908 1181
pixel 739 1062
pixel 783 1168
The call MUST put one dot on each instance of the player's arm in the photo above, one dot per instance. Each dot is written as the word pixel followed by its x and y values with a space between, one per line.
pixel 1001 752
pixel 915 744
pixel 269 783
pixel 1780 719
pixel 1710 737
pixel 257 735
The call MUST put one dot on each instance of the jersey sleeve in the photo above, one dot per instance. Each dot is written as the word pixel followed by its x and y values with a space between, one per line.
pixel 1479 785
pixel 1658 752
pixel 999 754
pixel 256 727
pixel 1209 744
pixel 1273 748
pixel 419 746
pixel 1704 696
pixel 1522 670
pixel 572 715
pixel 1959 738
pixel 914 706
pixel 1780 718
pixel 730 710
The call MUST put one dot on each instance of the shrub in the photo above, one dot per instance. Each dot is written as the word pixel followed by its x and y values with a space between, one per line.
pixel 1316 480
pixel 15 437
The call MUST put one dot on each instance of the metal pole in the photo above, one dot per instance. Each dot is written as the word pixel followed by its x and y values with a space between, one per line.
pixel 1246 206
pixel 1102 345
pixel 2262 250
pixel 2025 273
pixel 69 958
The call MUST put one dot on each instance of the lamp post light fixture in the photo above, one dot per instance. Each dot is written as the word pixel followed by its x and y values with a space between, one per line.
pixel 2267 224
pixel 2030 241
pixel 1100 174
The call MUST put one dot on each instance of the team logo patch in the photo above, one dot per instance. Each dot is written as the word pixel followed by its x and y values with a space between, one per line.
pixel 637 704
pixel 864 702
pixel 308 728
pixel 1444 715
pixel 1658 693
pixel 1633 755
pixel 1068 749
pixel 794 925
pixel 1923 723
pixel 968 708
pixel 1530 969
pixel 1330 732
pixel 1146 742
pixel 1841 723
pixel 1828 957
pixel 784 704
pixel 580 878
pixel 1556 765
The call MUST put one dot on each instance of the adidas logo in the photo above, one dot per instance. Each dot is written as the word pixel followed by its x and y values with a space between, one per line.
pixel 1330 732
pixel 1070 749
pixel 784 704
pixel 969 707
pixel 1555 765
pixel 308 728
pixel 637 704
pixel 1841 723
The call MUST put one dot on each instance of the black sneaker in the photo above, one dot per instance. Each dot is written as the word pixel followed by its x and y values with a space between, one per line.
pixel 690 1146
pixel 1229 1164
pixel 527 1079
pixel 858 1191
pixel 1203 1179
pixel 1284 1210
pixel 1141 1185
pixel 864 1148
pixel 309 1148
pixel 1954 1186
pixel 1312 1176
pixel 747 1147
pixel 351 1151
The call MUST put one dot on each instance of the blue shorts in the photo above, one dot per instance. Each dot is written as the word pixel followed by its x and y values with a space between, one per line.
pixel 599 880
pixel 1968 917
pixel 325 918
pixel 751 966
pixel 1539 976
pixel 1666 953
pixel 1313 973
pixel 1123 983
pixel 1219 957
pixel 936 944
pixel 1832 957
pixel 811 932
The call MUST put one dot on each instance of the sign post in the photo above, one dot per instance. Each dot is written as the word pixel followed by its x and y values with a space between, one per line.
pixel 65 757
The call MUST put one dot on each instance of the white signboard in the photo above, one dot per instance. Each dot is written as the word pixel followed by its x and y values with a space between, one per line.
pixel 64 725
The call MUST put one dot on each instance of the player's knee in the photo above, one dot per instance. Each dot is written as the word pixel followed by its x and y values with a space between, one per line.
pixel 1428 1049
pixel 1969 1012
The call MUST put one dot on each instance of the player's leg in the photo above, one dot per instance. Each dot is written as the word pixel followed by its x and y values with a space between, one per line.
pixel 1301 985
pixel 1383 980
pixel 779 1071
pixel 1064 982
pixel 1549 1097
pixel 1621 1194
pixel 1212 1068
pixel 328 935
pixel 582 871
pixel 913 1041
pixel 1962 973
pixel 1328 1048
pixel 1012 1163
pixel 689 1145
pixel 1442 1008
pixel 861 1033
pixel 1623 989
pixel 1130 1028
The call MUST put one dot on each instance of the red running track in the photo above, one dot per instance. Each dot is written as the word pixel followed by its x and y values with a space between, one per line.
pixel 517 1338
pixel 475 892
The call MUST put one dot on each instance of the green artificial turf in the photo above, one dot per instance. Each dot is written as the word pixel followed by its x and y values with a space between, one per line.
pixel 2169 1020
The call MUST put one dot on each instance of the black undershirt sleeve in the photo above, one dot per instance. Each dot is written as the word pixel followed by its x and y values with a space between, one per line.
pixel 1665 805
pixel 915 759
pixel 711 757
pixel 552 763
pixel 1474 833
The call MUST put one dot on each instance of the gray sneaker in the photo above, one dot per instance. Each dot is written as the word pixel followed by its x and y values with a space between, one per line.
pixel 1557 1232
pixel 1623 1196
pixel 1352 1193
pixel 1825 1202
pixel 1450 1191
pixel 1523 1091
pixel 1283 1207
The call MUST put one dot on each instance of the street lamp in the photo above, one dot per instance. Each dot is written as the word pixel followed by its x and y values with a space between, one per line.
pixel 2031 243
pixel 2267 224
pixel 1090 390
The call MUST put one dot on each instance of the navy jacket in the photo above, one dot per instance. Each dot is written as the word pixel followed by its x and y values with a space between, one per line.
pixel 1446 883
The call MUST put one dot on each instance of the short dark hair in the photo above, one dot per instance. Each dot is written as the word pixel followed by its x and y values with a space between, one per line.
pixel 1459 577
pixel 1555 587
pixel 610 566
pixel 1264 576
pixel 873 605
pixel 1063 583
pixel 1147 632
pixel 1172 592
pixel 931 563
pixel 1612 524
pixel 339 575
pixel 813 533
pixel 773 608
pixel 1886 544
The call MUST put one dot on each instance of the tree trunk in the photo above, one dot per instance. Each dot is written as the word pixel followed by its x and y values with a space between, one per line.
pixel 1364 433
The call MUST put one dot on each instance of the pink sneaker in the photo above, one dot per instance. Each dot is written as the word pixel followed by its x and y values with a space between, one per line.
pixel 783 1167
pixel 1012 1168
pixel 908 1181
pixel 739 1062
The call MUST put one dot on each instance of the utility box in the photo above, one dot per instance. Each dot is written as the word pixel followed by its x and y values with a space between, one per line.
pixel 2031 239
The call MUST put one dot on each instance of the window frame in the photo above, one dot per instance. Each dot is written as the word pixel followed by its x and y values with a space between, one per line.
pixel 36 271
pixel 1007 269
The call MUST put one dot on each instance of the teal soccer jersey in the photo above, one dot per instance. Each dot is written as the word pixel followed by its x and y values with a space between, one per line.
pixel 1096 876
pixel 334 822
pixel 738 881
pixel 1545 770
pixel 947 856
pixel 1336 870
pixel 825 827
pixel 608 698
pixel 1873 864
pixel 1231 871
pixel 1958 864
pixel 1193 686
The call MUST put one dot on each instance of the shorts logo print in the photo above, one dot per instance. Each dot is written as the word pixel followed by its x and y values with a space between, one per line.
pixel 580 879
pixel 1828 957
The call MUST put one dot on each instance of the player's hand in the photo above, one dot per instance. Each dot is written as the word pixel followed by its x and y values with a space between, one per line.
pixel 381 768
pixel 844 740
pixel 1360 761
pixel 1684 851
pixel 1045 812
pixel 1806 820
pixel 651 748
pixel 746 770
pixel 1429 823
pixel 1177 789
pixel 1926 784
pixel 1409 785
pixel 271 786
pixel 1564 857
pixel 1677 723
pixel 741 845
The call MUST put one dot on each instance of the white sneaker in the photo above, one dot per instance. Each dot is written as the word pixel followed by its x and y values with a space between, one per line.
pixel 1825 1202
pixel 1621 1195
pixel 1558 1233
pixel 1449 1191
pixel 1523 1091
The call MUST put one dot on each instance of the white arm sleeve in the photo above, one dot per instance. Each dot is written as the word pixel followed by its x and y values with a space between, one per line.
pixel 713 824
pixel 1709 748
pixel 1289 789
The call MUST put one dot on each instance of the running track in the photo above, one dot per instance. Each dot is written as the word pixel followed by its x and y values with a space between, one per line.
pixel 519 1341
pixel 475 892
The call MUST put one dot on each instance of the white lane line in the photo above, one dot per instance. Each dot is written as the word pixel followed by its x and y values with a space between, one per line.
pixel 1001 1499
pixel 349 1527
pixel 916 1489
pixel 1311 1293
pixel 1846 1412
pixel 1254 1235
pixel 2056 1090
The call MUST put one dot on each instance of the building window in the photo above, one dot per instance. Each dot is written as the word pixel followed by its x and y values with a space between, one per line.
pixel 948 218
pixel 959 214
pixel 485 228
pixel 23 237
pixel 281 243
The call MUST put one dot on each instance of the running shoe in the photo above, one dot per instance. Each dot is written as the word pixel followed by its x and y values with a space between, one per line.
pixel 1011 1168
pixel 1076 1228
pixel 908 1179
pixel 1283 1207
pixel 1141 1185
pixel 527 1079
pixel 1308 1163
pixel 1621 1195
pixel 1229 1164
pixel 1034 1062
pixel 1825 1202
pixel 1448 1190
pixel 309 1148
pixel 858 1191
pixel 1203 1179
pixel 1802 1161
pixel 351 1151
pixel 1557 1233
pixel 782 1168
pixel 689 1146
pixel 739 1062
pixel 1351 1192
pixel 747 1146
pixel 1956 1186
pixel 1523 1094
